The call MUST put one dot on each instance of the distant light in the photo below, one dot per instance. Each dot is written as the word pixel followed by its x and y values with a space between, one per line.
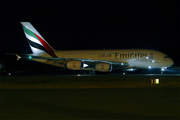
pixel 147 57
pixel 124 73
pixel 9 74
pixel 162 69
pixel 152 60
pixel 149 67
pixel 78 74
pixel 121 63
pixel 30 57
pixel 156 81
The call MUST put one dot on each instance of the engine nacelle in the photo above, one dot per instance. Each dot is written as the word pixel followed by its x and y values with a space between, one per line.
pixel 103 67
pixel 75 65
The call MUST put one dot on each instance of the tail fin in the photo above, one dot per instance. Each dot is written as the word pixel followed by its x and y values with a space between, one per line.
pixel 37 43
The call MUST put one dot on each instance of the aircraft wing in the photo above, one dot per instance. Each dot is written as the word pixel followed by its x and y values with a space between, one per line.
pixel 49 60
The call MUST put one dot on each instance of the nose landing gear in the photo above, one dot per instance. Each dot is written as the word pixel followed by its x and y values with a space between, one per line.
pixel 163 69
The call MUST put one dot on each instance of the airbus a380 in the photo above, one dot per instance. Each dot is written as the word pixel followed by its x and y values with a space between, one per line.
pixel 92 60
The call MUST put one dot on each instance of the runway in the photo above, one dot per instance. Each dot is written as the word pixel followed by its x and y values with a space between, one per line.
pixel 86 97
pixel 87 104
pixel 75 81
pixel 125 74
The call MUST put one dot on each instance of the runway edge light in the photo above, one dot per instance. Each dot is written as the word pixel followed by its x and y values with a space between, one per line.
pixel 155 81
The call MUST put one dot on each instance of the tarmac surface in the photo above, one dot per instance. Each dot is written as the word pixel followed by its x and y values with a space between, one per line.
pixel 112 103
pixel 55 97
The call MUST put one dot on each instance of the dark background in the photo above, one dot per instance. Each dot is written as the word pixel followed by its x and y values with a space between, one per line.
pixel 71 25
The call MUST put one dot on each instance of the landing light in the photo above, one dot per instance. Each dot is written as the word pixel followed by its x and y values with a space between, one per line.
pixel 149 67
pixel 162 69
pixel 121 63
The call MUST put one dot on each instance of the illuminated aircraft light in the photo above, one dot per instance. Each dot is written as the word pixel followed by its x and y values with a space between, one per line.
pixel 85 65
pixel 149 67
pixel 121 63
pixel 162 69
pixel 30 57
pixel 152 60
pixel 147 57
pixel 124 73
pixel 18 57
pixel 130 69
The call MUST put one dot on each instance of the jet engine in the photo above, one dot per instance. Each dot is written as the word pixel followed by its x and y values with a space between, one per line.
pixel 103 67
pixel 74 65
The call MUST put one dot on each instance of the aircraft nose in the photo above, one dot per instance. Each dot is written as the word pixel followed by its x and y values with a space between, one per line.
pixel 168 62
pixel 171 62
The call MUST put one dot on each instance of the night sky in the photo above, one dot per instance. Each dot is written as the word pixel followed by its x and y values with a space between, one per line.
pixel 71 25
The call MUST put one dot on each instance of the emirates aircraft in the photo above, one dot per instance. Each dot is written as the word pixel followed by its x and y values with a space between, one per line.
pixel 92 60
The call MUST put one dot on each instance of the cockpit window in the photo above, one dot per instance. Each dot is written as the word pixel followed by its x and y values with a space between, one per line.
pixel 166 57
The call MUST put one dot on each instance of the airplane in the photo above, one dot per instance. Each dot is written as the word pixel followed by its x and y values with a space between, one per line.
pixel 92 60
